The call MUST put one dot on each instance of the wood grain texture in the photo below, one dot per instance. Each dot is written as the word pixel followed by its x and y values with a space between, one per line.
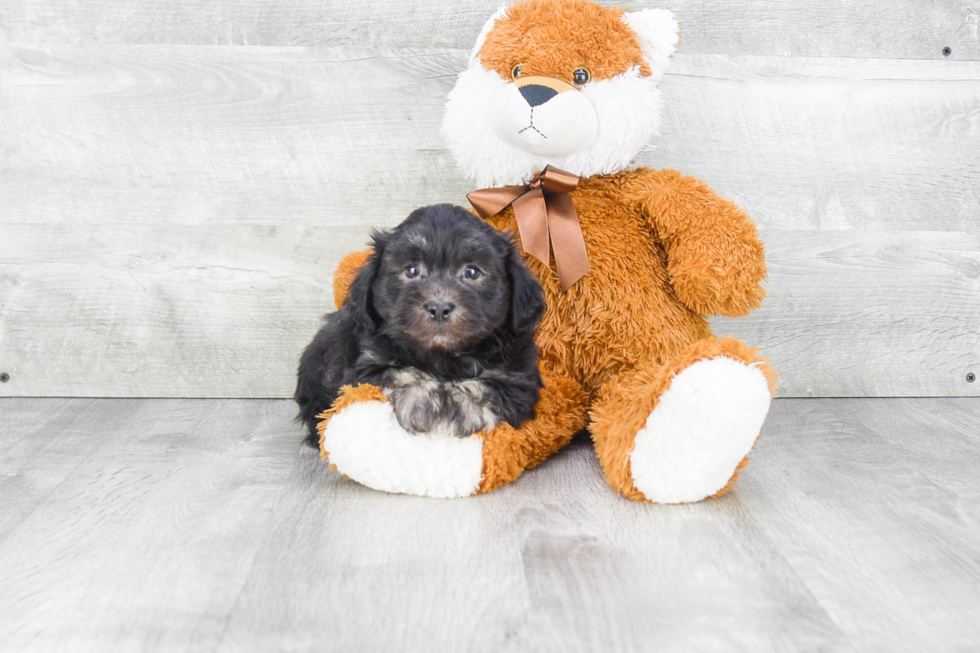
pixel 180 135
pixel 32 431
pixel 201 524
pixel 351 136
pixel 836 28
pixel 556 562
pixel 850 504
pixel 946 451
pixel 150 310
pixel 145 310
pixel 858 313
pixel 145 544
pixel 829 144
pixel 172 214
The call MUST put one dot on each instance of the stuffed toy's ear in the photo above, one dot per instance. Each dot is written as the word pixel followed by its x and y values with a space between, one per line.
pixel 658 33
pixel 487 26
pixel 526 297
pixel 359 301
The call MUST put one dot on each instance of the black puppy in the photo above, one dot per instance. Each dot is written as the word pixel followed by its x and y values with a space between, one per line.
pixel 441 317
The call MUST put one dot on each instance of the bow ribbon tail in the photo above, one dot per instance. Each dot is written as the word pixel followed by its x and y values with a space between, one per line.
pixel 488 202
pixel 571 257
pixel 531 213
pixel 546 220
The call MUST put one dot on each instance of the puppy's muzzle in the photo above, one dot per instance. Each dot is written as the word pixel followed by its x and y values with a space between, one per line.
pixel 439 311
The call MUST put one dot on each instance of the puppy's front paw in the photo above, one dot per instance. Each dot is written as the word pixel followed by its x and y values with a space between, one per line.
pixel 470 407
pixel 416 397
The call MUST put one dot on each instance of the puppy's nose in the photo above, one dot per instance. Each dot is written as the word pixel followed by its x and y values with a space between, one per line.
pixel 536 94
pixel 439 311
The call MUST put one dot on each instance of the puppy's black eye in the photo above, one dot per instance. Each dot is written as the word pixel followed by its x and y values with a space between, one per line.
pixel 516 71
pixel 472 272
pixel 581 76
pixel 413 271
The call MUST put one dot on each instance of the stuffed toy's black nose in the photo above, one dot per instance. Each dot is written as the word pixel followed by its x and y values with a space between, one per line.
pixel 536 94
pixel 439 311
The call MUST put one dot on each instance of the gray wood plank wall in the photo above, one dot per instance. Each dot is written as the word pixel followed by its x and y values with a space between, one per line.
pixel 178 180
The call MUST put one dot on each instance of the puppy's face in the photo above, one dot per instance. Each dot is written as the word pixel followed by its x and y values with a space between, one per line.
pixel 442 281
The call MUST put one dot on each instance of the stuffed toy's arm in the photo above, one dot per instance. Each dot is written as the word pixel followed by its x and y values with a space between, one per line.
pixel 714 257
pixel 344 275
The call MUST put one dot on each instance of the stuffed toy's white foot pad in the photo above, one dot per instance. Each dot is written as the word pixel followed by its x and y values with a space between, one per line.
pixel 366 443
pixel 703 426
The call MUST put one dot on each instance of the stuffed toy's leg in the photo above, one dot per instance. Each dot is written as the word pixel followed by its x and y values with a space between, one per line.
pixel 679 432
pixel 361 439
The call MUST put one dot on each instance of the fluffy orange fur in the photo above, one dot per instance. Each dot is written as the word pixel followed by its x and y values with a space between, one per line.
pixel 530 36
pixel 344 275
pixel 507 451
pixel 631 308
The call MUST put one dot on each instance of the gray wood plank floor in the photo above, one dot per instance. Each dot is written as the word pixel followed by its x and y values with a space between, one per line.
pixel 140 524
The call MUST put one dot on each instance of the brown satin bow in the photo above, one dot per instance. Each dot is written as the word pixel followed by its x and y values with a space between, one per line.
pixel 544 211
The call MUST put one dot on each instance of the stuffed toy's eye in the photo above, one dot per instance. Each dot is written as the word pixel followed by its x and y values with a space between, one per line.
pixel 581 76
pixel 516 71
pixel 471 272
pixel 413 271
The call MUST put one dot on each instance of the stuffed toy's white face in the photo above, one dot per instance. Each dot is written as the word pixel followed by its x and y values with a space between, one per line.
pixel 563 82
pixel 530 109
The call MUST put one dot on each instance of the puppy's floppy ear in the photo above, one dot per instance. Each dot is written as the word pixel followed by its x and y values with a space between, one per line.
pixel 359 301
pixel 526 297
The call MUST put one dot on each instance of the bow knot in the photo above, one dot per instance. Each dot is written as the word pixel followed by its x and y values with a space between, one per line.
pixel 546 220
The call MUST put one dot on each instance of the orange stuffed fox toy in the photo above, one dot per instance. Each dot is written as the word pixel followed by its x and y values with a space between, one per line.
pixel 646 256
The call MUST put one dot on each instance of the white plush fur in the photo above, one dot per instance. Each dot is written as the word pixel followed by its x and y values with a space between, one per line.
pixel 659 34
pixel 627 109
pixel 703 426
pixel 569 115
pixel 367 444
